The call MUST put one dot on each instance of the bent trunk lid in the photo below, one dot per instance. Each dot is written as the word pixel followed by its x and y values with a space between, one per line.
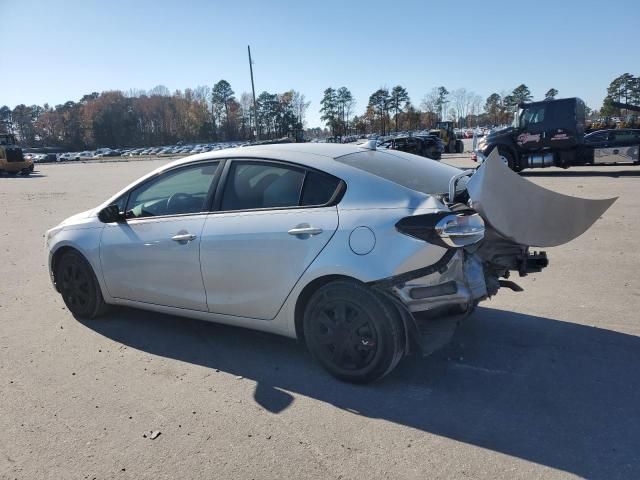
pixel 526 213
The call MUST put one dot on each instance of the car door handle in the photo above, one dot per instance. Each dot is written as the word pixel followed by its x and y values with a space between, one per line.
pixel 183 237
pixel 304 230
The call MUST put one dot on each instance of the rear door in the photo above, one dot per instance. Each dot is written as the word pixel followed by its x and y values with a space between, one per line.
pixel 272 221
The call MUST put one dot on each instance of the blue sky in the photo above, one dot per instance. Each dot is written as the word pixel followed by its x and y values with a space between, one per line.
pixel 60 50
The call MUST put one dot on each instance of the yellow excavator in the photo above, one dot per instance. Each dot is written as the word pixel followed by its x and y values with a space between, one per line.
pixel 12 160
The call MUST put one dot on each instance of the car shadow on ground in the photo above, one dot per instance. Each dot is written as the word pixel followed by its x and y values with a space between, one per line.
pixel 576 172
pixel 555 393
pixel 31 175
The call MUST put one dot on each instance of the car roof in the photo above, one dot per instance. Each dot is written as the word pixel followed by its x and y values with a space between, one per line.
pixel 307 154
pixel 385 172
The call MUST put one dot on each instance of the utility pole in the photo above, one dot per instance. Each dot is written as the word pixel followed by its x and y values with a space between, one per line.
pixel 253 89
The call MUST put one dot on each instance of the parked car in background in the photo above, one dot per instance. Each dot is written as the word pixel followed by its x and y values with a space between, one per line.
pixel 44 157
pixel 86 155
pixel 425 146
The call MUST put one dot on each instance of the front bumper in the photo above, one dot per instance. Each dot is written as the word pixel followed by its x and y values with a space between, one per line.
pixel 478 156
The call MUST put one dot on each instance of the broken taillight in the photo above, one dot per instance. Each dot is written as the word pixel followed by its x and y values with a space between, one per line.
pixel 447 229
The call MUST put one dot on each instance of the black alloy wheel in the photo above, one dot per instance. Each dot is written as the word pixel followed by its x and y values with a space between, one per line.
pixel 353 332
pixel 347 334
pixel 78 286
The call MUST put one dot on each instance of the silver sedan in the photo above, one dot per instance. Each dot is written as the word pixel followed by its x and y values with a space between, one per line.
pixel 363 254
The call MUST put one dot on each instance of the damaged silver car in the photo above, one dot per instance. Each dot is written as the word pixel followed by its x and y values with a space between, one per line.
pixel 361 253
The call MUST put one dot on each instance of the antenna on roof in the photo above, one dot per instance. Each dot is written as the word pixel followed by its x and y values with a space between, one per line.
pixel 368 145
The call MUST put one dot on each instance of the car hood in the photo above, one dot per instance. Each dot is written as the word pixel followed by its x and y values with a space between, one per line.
pixel 79 218
pixel 525 213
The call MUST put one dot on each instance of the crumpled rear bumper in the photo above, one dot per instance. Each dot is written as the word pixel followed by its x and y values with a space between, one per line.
pixel 460 282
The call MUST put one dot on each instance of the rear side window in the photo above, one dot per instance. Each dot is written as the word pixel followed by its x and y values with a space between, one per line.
pixel 261 185
pixel 318 188
pixel 254 185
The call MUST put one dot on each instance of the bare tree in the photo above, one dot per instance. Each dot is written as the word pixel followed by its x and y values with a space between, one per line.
pixel 300 106
pixel 476 107
pixel 160 90
pixel 428 103
pixel 202 94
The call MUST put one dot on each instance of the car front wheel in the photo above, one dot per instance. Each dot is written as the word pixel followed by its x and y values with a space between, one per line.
pixel 78 286
pixel 353 332
pixel 507 158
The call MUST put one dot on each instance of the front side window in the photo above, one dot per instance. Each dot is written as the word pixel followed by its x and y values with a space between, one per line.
pixel 181 191
pixel 532 115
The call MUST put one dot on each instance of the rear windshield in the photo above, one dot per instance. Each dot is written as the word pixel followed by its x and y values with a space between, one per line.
pixel 411 171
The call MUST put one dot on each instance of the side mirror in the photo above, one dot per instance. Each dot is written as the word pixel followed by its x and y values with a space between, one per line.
pixel 111 214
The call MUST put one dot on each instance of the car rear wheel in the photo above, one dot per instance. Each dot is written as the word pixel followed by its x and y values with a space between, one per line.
pixel 459 146
pixel 79 287
pixel 353 332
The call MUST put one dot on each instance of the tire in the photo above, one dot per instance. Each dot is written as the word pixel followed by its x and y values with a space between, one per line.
pixel 353 332
pixel 459 146
pixel 432 153
pixel 25 172
pixel 79 287
pixel 507 158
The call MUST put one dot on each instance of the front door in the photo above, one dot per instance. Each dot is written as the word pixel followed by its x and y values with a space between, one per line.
pixel 154 257
pixel 532 127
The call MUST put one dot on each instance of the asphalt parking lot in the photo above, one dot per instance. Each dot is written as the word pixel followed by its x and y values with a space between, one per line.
pixel 538 384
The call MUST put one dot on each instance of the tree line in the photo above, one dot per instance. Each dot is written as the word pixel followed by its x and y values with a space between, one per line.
pixel 206 114
pixel 392 109
pixel 156 117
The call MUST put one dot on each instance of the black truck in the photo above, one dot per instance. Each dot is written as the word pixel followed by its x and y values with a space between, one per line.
pixel 551 133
